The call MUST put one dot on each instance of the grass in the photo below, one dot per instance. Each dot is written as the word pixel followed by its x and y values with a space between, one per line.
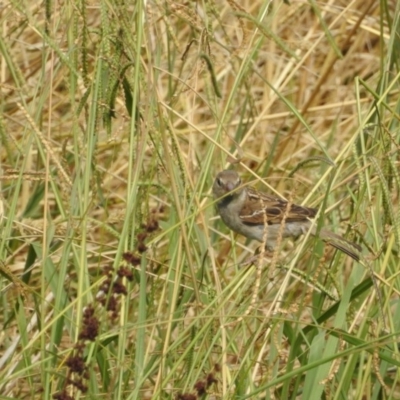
pixel 117 279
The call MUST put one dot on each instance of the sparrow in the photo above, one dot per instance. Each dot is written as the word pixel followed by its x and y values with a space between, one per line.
pixel 262 217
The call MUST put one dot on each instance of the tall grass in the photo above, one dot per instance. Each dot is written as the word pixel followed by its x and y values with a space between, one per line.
pixel 117 279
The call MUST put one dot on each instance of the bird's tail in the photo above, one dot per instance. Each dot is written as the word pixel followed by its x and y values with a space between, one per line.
pixel 351 249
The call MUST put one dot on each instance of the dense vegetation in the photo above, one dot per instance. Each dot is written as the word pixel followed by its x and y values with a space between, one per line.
pixel 117 279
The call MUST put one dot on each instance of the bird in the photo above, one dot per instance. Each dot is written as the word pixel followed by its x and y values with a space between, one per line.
pixel 267 218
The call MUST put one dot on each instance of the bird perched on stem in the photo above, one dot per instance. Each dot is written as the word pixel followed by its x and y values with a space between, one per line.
pixel 267 218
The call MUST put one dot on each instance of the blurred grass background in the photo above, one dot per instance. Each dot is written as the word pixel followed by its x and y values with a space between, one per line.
pixel 117 279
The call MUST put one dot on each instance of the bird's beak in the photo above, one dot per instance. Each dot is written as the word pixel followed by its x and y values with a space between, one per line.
pixel 230 186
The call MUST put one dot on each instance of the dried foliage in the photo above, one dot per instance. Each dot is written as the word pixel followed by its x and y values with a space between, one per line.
pixel 116 279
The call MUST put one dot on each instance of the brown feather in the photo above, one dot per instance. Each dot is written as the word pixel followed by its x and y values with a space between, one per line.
pixel 273 210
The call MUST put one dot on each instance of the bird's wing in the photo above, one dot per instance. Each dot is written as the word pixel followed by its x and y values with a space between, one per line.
pixel 261 207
